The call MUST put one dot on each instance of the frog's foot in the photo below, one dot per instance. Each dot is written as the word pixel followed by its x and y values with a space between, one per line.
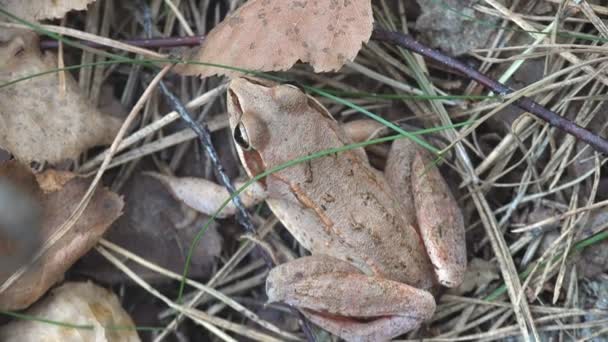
pixel 338 297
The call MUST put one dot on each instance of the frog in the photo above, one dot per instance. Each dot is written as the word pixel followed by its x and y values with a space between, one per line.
pixel 382 243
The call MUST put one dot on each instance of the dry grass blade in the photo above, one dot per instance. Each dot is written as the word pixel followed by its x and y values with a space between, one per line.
pixel 212 292
pixel 69 32
pixel 196 315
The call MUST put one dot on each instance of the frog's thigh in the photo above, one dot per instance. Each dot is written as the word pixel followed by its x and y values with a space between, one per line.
pixel 337 296
pixel 425 192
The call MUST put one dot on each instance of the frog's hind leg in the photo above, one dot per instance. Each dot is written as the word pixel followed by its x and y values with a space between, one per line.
pixel 338 297
pixel 426 196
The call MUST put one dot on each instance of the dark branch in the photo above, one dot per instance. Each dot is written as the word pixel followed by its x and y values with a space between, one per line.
pixel 204 136
pixel 525 103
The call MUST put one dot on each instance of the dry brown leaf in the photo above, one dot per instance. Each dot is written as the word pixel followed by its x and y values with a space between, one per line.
pixel 33 10
pixel 158 228
pixel 19 208
pixel 53 180
pixel 38 122
pixel 206 196
pixel 270 35
pixel 103 209
pixel 74 303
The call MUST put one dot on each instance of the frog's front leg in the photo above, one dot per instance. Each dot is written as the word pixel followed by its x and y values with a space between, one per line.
pixel 426 197
pixel 206 196
pixel 338 297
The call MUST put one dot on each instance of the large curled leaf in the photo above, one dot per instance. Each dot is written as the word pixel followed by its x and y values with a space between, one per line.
pixel 37 10
pixel 268 35
pixel 39 120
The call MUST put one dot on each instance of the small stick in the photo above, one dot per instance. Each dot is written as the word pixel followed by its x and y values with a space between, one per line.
pixel 204 137
pixel 525 103
pixel 150 43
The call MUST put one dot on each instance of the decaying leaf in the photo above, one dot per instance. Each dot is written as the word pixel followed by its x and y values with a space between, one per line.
pixel 206 196
pixel 158 228
pixel 38 120
pixel 77 304
pixel 56 207
pixel 270 35
pixel 33 10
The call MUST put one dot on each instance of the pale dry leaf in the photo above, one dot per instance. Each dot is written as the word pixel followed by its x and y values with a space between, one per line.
pixel 37 121
pixel 272 35
pixel 56 207
pixel 78 304
pixel 206 196
pixel 34 10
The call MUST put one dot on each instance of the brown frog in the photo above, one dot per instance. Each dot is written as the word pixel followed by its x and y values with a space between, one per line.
pixel 380 242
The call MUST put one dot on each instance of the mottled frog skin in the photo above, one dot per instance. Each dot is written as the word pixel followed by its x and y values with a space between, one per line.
pixel 379 241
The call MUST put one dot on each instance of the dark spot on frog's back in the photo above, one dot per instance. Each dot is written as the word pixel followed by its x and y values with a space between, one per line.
pixel 299 4
pixel 308 172
pixel 328 198
pixel 235 21
pixel 298 276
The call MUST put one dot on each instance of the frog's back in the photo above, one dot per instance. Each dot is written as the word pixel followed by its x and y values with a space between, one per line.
pixel 339 205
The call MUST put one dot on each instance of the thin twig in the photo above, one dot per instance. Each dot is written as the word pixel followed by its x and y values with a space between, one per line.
pixel 204 137
pixel 527 104
pixel 151 43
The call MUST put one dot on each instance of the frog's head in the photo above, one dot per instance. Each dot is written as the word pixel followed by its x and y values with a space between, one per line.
pixel 259 114
pixel 255 106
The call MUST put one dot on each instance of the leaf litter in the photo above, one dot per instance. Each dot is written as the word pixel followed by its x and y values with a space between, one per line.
pixel 39 120
pixel 524 166
pixel 82 303
pixel 34 10
pixel 155 227
pixel 56 202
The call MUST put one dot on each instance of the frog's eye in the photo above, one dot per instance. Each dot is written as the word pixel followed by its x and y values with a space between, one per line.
pixel 241 137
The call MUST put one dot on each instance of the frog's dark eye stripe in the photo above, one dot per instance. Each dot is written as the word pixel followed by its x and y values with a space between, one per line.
pixel 240 136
